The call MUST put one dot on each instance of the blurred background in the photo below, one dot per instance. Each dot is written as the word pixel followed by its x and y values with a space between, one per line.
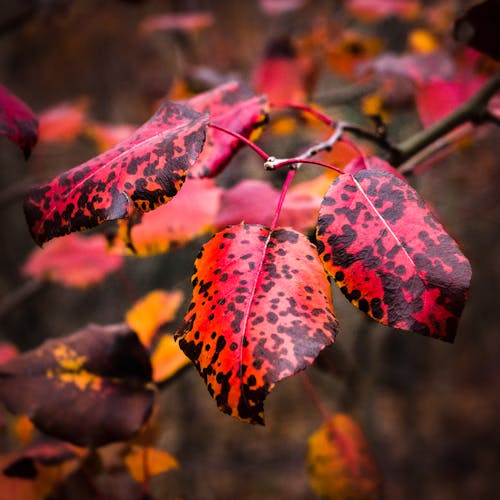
pixel 430 410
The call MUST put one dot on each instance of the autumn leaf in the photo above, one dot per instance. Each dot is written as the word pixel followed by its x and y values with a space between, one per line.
pixel 282 74
pixel 340 463
pixel 17 121
pixel 261 311
pixel 140 173
pixel 74 261
pixel 232 106
pixel 107 135
pixel 179 21
pixel 151 312
pixel 167 359
pixel 90 388
pixel 372 163
pixel 189 215
pixel 389 255
pixel 64 121
pixel 23 429
pixel 141 460
pixel 8 351
pixel 46 451
pixel 277 7
pixel 377 10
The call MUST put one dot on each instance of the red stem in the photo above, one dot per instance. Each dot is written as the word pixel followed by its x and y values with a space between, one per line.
pixel 284 189
pixel 304 107
pixel 248 142
pixel 311 391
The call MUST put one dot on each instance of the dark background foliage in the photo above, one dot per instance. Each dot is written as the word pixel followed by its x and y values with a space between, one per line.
pixel 430 409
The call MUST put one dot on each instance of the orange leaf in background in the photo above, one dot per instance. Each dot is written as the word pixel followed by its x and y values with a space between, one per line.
pixel 340 464
pixel 167 359
pixel 377 10
pixel 148 314
pixel 63 122
pixel 74 261
pixel 107 135
pixel 352 49
pixel 180 21
pixel 189 215
pixel 422 41
pixel 145 462
pixel 24 429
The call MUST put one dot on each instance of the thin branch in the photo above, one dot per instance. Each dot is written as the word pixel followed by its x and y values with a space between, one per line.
pixel 284 190
pixel 472 110
pixel 19 295
pixel 346 95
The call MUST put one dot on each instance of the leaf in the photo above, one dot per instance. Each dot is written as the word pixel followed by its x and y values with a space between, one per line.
pixel 47 452
pixel 167 359
pixel 282 74
pixel 372 163
pixel 233 106
pixel 17 122
pixel 63 122
pixel 74 261
pixel 377 10
pixel 277 7
pixel 8 351
pixel 107 135
pixel 148 314
pixel 151 460
pixel 389 255
pixel 179 21
pixel 261 311
pixel 142 172
pixel 90 388
pixel 23 429
pixel 340 464
pixel 253 201
pixel 189 215
pixel 437 98
pixel 478 28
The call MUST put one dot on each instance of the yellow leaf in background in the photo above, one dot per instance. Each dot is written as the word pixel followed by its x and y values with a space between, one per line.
pixel 23 429
pixel 167 359
pixel 340 464
pixel 152 311
pixel 422 41
pixel 374 105
pixel 145 462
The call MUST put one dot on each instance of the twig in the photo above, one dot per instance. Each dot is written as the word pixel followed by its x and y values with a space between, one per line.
pixel 346 95
pixel 19 295
pixel 473 110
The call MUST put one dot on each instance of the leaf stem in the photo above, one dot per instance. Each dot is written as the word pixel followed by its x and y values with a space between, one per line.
pixel 248 142
pixel 474 110
pixel 273 163
pixel 311 391
pixel 284 190
pixel 307 109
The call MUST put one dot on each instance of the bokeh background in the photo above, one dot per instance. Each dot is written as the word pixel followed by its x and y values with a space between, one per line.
pixel 430 409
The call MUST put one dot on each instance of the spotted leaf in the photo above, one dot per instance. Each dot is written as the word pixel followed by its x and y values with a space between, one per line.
pixel 390 256
pixel 261 311
pixel 17 121
pixel 232 106
pixel 90 388
pixel 142 172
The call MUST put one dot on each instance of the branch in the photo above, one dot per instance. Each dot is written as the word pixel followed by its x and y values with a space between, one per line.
pixel 474 110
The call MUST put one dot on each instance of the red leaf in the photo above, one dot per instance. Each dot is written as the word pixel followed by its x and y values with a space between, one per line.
pixel 277 7
pixel 376 10
pixel 389 255
pixel 437 98
pixel 17 122
pixel 74 261
pixel 63 122
pixel 143 171
pixel 233 106
pixel 189 215
pixel 371 163
pixel 90 388
pixel 261 311
pixel 180 21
